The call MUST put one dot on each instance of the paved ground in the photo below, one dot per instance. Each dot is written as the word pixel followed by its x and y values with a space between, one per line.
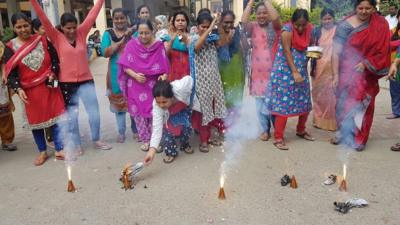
pixel 185 192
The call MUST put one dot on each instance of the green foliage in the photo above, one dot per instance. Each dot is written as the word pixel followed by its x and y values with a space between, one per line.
pixel 286 13
pixel 340 7
pixel 8 34
pixel 384 6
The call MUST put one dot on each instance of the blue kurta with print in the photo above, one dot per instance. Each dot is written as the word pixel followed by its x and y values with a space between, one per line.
pixel 283 96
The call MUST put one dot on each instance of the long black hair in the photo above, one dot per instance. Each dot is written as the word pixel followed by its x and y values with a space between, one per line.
pixel 163 88
pixel 119 10
pixel 148 23
pixel 140 9
pixel 203 17
pixel 372 2
pixel 68 18
pixel 184 15
pixel 300 13
pixel 19 16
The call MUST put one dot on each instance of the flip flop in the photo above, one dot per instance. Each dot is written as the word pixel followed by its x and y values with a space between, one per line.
pixel 169 159
pixel 41 159
pixel 203 148
pixel 281 145
pixel 334 141
pixel 330 180
pixel 264 136
pixel 395 147
pixel 60 157
pixel 144 147
pixel 102 146
pixel 187 149
pixel 305 136
pixel 215 142
pixel 392 117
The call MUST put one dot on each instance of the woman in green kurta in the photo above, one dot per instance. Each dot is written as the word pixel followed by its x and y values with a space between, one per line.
pixel 112 44
pixel 230 64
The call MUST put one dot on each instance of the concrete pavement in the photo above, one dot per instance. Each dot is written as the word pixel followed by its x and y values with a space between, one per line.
pixel 185 192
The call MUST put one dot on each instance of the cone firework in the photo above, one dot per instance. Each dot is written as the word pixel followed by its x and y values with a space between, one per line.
pixel 293 183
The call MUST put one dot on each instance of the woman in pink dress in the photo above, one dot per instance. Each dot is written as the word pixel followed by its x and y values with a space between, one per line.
pixel 142 62
pixel 263 32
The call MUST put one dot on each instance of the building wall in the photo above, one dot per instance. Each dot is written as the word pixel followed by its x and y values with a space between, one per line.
pixel 305 4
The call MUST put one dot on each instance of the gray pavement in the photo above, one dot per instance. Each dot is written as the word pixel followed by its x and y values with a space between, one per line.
pixel 185 192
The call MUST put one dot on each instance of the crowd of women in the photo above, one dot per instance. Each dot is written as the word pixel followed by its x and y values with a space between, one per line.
pixel 172 78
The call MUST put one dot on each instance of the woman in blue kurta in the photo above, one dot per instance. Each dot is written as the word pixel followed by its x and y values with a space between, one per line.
pixel 112 44
pixel 288 92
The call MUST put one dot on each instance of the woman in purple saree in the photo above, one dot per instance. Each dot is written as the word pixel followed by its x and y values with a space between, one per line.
pixel 142 62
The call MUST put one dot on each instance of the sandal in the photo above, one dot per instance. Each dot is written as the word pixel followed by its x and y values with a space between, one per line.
pixel 188 149
pixel 330 180
pixel 360 148
pixel 264 136
pixel 334 141
pixel 281 145
pixel 159 149
pixel 395 147
pixel 305 136
pixel 215 142
pixel 203 148
pixel 102 145
pixel 168 159
pixel 9 147
pixel 145 147
pixel 41 159
pixel 59 155
pixel 121 138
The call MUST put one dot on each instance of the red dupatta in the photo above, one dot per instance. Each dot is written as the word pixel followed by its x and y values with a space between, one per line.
pixel 29 78
pixel 301 41
pixel 373 44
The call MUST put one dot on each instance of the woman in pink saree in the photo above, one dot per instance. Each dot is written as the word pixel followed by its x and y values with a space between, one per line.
pixel 323 91
pixel 143 61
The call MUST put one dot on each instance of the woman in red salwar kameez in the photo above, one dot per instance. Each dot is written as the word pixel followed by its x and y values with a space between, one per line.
pixel 361 56
pixel 31 72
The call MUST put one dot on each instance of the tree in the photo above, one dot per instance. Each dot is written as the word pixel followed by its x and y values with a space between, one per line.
pixel 341 7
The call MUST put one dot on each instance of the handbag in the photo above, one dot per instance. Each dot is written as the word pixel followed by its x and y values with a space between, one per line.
pixel 4 101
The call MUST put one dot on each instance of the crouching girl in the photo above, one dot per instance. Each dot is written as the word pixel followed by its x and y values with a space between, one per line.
pixel 171 118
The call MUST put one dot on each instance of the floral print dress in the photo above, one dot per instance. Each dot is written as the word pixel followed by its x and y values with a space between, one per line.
pixel 283 96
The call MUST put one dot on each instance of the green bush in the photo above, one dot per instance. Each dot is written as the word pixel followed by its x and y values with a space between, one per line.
pixel 8 34
pixel 286 13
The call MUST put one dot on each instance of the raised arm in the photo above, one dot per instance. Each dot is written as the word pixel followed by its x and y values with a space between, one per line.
pixel 272 12
pixel 90 18
pixel 203 37
pixel 51 31
pixel 247 12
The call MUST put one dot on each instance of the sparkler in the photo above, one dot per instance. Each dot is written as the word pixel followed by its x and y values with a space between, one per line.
pixel 343 184
pixel 221 194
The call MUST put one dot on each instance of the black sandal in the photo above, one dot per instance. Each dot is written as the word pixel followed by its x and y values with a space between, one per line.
pixel 395 147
